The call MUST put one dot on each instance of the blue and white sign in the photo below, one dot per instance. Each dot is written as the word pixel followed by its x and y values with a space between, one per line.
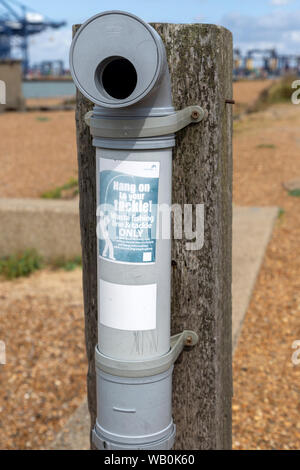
pixel 128 210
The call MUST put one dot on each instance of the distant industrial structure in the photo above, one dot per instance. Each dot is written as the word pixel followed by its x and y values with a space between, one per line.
pixel 17 24
pixel 48 68
pixel 264 63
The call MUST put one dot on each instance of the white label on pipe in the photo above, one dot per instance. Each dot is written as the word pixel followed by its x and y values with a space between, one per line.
pixel 131 308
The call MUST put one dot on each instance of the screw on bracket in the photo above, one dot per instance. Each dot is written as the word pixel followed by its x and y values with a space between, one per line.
pixel 195 115
pixel 190 338
pixel 189 341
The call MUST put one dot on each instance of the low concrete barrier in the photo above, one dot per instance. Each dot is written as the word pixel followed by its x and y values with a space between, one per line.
pixel 11 75
pixel 49 226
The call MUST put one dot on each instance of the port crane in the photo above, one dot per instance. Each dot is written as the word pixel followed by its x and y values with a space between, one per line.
pixel 269 56
pixel 17 24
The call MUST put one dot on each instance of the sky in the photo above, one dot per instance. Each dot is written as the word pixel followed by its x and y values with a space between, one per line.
pixel 254 23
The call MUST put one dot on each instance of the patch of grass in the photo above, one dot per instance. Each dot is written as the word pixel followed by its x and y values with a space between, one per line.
pixel 266 146
pixel 67 265
pixel 52 194
pixel 279 92
pixel 72 183
pixel 71 187
pixel 294 193
pixel 281 213
pixel 24 264
pixel 43 118
pixel 20 265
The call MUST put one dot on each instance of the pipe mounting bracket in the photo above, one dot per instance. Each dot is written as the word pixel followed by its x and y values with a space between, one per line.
pixel 137 127
pixel 148 367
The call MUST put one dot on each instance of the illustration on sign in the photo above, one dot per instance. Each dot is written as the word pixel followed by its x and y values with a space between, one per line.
pixel 128 210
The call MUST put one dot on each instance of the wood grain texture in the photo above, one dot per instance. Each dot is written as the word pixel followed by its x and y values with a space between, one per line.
pixel 200 61
pixel 87 209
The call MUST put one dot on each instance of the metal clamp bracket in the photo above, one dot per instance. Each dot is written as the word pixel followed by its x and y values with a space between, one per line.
pixel 144 127
pixel 149 367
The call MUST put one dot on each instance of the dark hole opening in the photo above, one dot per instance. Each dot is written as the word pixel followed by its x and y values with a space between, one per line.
pixel 119 78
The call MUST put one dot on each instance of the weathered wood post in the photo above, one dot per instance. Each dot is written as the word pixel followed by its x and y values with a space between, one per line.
pixel 200 61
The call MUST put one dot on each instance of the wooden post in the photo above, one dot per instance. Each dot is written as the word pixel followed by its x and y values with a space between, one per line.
pixel 87 208
pixel 200 61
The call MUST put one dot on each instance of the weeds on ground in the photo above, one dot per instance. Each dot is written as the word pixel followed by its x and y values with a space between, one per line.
pixel 279 92
pixel 71 188
pixel 281 213
pixel 43 119
pixel 67 265
pixel 294 192
pixel 20 265
pixel 24 264
pixel 266 146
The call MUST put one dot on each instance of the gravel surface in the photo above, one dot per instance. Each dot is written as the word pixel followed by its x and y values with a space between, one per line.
pixel 43 381
pixel 40 147
pixel 38 152
pixel 246 92
pixel 45 102
pixel 266 402
pixel 41 318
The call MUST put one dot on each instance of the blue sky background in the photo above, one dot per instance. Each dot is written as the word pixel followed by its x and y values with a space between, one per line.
pixel 254 24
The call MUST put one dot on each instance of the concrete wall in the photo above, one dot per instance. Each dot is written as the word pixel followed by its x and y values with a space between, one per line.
pixel 11 75
pixel 49 226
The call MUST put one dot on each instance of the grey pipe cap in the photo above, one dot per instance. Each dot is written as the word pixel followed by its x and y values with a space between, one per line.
pixel 99 46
